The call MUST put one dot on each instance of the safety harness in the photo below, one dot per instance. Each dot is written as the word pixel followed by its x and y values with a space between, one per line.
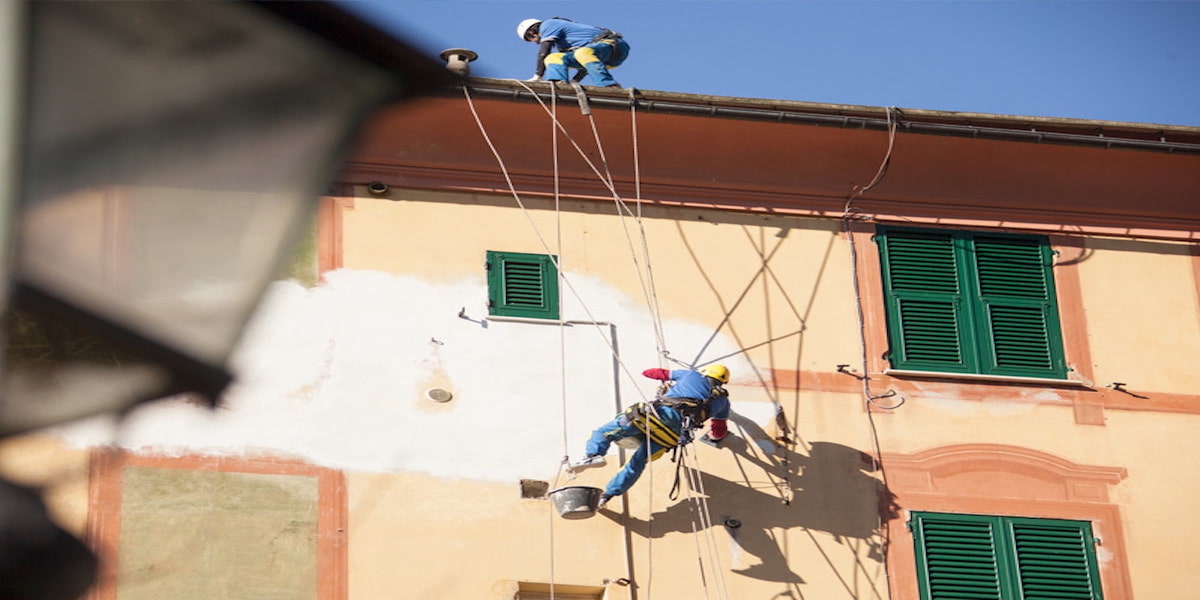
pixel 606 35
pixel 695 411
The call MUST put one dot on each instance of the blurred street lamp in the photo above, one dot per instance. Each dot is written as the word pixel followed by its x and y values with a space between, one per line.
pixel 157 162
pixel 170 154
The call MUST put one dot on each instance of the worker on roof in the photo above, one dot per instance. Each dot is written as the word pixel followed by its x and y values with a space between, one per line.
pixel 592 50
pixel 687 399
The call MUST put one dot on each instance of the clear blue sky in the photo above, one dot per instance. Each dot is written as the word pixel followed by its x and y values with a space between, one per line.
pixel 1129 60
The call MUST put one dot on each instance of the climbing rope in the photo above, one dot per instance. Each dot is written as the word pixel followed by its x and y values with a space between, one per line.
pixel 697 500
pixel 646 278
pixel 698 504
pixel 660 342
pixel 541 239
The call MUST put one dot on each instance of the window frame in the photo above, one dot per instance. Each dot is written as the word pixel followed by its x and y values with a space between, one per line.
pixel 952 284
pixel 1029 555
pixel 537 277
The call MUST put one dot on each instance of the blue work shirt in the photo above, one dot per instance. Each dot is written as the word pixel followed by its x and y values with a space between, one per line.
pixel 691 384
pixel 567 34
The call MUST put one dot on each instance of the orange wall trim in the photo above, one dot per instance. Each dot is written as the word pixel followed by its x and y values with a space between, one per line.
pixel 994 479
pixel 330 231
pixel 1094 400
pixel 104 510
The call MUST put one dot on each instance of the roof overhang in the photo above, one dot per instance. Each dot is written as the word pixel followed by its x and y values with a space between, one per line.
pixel 789 157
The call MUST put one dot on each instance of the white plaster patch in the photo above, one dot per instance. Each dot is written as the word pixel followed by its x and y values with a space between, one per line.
pixel 336 374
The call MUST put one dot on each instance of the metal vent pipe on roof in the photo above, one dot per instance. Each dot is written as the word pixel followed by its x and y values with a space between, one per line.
pixel 458 60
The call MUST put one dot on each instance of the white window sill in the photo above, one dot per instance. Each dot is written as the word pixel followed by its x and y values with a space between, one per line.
pixel 535 320
pixel 986 378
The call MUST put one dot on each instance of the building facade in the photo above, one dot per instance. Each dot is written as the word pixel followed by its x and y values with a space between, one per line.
pixel 961 348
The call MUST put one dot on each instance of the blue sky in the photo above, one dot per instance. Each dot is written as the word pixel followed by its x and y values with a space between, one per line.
pixel 1129 60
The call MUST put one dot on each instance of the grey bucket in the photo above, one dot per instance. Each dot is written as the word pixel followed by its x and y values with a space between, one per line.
pixel 576 502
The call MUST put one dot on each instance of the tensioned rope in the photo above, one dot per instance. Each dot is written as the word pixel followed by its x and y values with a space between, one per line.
pixel 660 340
pixel 562 347
pixel 698 504
pixel 646 282
pixel 702 507
pixel 646 279
pixel 698 501
pixel 541 239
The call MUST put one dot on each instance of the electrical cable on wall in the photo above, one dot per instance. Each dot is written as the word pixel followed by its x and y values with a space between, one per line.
pixel 850 213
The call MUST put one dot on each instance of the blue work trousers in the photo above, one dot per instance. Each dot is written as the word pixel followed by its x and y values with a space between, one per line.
pixel 595 58
pixel 620 428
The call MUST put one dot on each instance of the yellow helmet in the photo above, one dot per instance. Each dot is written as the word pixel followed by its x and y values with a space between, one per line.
pixel 718 372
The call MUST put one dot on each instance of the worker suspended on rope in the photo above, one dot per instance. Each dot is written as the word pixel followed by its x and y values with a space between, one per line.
pixel 591 50
pixel 690 398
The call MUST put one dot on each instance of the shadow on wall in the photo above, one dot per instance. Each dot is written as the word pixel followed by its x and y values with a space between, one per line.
pixel 831 490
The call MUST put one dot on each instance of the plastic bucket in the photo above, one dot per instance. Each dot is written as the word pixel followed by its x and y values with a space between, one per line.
pixel 576 502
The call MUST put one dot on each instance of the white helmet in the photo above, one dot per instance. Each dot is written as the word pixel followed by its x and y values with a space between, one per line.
pixel 523 28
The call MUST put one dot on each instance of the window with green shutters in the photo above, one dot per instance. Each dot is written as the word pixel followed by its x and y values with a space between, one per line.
pixel 1004 558
pixel 968 302
pixel 522 285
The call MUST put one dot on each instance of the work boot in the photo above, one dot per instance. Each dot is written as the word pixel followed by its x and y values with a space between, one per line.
pixel 588 462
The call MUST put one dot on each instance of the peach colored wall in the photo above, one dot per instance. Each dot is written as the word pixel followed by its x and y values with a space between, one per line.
pixel 776 273
pixel 810 525
pixel 775 277
pixel 1140 300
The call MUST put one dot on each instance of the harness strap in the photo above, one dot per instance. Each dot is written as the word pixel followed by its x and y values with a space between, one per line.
pixel 606 34
pixel 642 417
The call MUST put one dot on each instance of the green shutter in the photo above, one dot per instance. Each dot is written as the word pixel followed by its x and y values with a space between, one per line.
pixel 926 323
pixel 971 303
pixel 522 285
pixel 956 557
pixel 981 557
pixel 1016 291
pixel 1055 559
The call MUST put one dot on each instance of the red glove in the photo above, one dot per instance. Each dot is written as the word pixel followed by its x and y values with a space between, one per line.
pixel 718 429
pixel 659 374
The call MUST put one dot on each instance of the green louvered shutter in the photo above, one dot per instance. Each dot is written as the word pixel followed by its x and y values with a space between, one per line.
pixel 1056 560
pixel 980 557
pixel 956 557
pixel 926 325
pixel 522 285
pixel 961 302
pixel 1019 333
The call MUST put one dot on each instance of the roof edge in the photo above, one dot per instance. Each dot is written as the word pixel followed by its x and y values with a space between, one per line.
pixel 1110 134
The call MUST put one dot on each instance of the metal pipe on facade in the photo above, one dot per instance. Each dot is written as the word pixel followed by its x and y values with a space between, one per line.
pixel 619 406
